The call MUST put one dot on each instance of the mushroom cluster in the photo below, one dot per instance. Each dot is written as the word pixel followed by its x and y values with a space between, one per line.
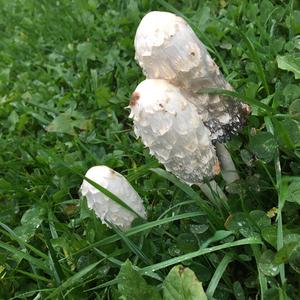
pixel 182 129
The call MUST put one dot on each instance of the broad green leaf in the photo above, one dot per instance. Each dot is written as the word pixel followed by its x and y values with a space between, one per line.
pixel 289 63
pixel 260 218
pixel 294 108
pixel 267 265
pixel 132 286
pixel 238 291
pixel 86 51
pixel 294 192
pixel 31 220
pixel 242 223
pixel 287 133
pixel 290 92
pixel 282 255
pixel 293 129
pixel 187 242
pixel 67 122
pixel 103 94
pixel 270 235
pixel 263 145
pixel 295 21
pixel 294 259
pixel 182 284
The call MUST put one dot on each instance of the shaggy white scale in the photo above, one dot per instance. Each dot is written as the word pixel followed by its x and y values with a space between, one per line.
pixel 167 48
pixel 182 128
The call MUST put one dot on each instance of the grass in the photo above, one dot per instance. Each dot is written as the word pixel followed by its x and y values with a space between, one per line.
pixel 67 70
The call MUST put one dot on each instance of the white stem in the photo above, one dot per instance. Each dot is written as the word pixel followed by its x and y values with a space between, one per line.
pixel 212 190
pixel 228 169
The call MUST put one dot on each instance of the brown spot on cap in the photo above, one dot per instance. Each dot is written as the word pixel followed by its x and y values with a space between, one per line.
pixel 246 109
pixel 193 53
pixel 217 168
pixel 134 98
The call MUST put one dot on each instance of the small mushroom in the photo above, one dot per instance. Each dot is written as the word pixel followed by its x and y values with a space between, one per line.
pixel 170 126
pixel 167 48
pixel 105 208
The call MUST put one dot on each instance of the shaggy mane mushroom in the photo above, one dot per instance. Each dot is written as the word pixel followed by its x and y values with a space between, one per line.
pixel 105 208
pixel 167 48
pixel 184 130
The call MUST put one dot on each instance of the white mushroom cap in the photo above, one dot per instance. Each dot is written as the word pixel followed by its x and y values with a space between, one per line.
pixel 167 48
pixel 104 207
pixel 172 129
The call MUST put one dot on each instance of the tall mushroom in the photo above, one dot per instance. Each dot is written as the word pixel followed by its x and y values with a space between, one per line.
pixel 183 129
pixel 170 126
pixel 105 208
pixel 167 48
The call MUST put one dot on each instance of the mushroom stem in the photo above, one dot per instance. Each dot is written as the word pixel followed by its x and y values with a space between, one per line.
pixel 212 190
pixel 228 169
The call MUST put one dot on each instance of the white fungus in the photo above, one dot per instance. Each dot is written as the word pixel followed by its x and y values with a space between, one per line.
pixel 167 48
pixel 170 126
pixel 105 208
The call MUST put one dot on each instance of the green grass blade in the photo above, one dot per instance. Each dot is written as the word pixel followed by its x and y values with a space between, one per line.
pixel 142 170
pixel 30 294
pixel 58 273
pixel 213 284
pixel 103 285
pixel 136 250
pixel 111 196
pixel 175 206
pixel 184 187
pixel 11 234
pixel 190 192
pixel 72 281
pixel 218 236
pixel 282 191
pixel 263 283
pixel 23 255
pixel 140 228
pixel 34 276
pixel 257 61
pixel 179 259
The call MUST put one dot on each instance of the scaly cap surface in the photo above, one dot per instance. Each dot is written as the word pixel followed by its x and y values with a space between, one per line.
pixel 167 48
pixel 104 207
pixel 170 126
